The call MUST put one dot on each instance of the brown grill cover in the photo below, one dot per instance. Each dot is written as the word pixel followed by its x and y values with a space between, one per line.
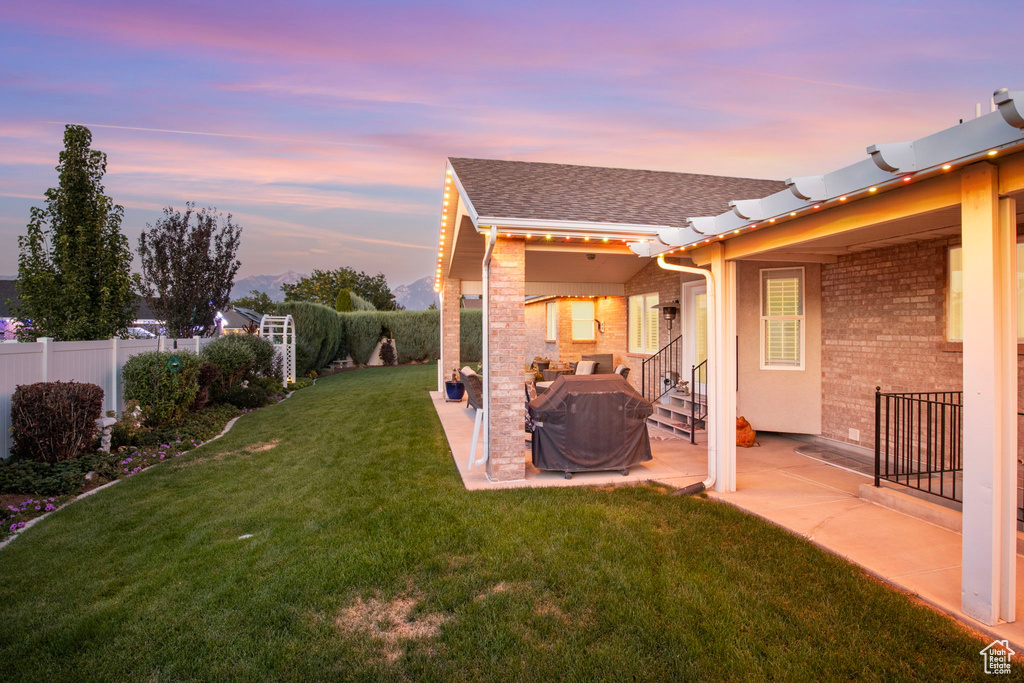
pixel 590 423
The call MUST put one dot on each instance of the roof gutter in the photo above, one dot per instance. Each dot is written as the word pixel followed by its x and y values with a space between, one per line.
pixel 713 436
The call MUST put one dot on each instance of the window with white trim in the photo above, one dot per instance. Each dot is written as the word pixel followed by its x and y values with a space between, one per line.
pixel 552 321
pixel 643 323
pixel 955 304
pixel 582 320
pixel 782 319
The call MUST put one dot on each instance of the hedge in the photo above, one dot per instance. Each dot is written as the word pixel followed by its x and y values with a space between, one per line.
pixel 318 334
pixel 416 333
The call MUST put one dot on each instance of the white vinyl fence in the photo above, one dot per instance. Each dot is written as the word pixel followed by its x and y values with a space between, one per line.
pixel 95 362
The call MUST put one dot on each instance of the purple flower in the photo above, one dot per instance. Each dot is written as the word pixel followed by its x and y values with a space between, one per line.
pixel 39 507
pixel 49 507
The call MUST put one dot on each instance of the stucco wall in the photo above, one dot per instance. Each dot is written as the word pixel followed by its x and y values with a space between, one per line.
pixel 778 400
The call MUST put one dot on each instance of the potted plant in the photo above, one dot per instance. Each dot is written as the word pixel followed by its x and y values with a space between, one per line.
pixel 454 390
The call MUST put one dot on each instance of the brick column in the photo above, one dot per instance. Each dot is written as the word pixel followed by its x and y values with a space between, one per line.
pixel 505 358
pixel 451 330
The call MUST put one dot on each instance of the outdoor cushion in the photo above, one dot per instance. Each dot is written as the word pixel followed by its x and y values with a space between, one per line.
pixel 466 370
pixel 586 367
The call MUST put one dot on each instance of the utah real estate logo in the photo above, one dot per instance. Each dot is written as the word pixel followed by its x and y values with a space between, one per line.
pixel 997 657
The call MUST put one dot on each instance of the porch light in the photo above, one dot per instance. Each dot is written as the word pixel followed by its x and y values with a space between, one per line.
pixel 669 310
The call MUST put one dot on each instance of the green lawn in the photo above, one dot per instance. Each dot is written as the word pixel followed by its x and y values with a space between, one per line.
pixel 368 560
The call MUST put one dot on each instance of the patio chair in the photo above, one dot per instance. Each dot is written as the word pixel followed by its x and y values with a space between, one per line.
pixel 621 369
pixel 474 388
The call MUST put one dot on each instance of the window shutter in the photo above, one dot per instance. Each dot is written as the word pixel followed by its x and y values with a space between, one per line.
pixel 652 323
pixel 636 324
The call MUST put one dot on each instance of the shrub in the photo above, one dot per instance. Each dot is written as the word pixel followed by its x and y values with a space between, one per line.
pixel 318 334
pixel 240 357
pixel 255 394
pixel 471 335
pixel 300 383
pixel 54 421
pixel 208 375
pixel 164 389
pixel 45 478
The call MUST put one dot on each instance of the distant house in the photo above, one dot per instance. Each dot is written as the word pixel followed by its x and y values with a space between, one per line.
pixel 238 320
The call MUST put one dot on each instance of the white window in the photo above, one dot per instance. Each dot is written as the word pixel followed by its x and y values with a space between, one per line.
pixel 782 319
pixel 552 317
pixel 955 309
pixel 582 321
pixel 643 323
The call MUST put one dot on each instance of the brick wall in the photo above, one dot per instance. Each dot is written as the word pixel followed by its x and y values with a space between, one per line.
pixel 451 327
pixel 506 324
pixel 536 333
pixel 883 324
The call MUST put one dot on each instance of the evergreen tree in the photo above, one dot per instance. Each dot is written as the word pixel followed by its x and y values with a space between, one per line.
pixel 74 267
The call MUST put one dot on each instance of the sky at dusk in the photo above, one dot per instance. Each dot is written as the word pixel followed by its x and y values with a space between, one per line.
pixel 324 126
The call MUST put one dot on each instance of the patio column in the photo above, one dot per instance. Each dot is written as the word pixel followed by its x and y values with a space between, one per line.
pixel 988 228
pixel 451 330
pixel 504 355
pixel 722 401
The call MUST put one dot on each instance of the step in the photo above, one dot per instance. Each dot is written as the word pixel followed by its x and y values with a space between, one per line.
pixel 670 425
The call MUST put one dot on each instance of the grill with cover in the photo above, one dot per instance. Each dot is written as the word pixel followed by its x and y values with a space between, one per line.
pixel 590 423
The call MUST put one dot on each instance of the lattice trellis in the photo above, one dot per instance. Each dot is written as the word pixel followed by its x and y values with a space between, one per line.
pixel 280 330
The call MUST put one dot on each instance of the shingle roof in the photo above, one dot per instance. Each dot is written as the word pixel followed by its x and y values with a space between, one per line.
pixel 522 189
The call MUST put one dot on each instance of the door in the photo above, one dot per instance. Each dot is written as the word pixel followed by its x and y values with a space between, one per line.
pixel 695 298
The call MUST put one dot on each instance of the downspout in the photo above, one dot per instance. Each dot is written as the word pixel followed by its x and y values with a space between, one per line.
pixel 713 435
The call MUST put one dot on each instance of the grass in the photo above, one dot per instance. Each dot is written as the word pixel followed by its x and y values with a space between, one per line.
pixel 368 560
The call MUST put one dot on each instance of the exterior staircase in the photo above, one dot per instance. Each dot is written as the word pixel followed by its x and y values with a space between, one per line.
pixel 681 415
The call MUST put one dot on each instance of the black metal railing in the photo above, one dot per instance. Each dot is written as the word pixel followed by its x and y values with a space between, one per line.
pixel 698 397
pixel 919 441
pixel 660 372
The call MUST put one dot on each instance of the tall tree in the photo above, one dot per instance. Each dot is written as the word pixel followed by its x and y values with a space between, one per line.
pixel 188 267
pixel 323 287
pixel 255 301
pixel 74 267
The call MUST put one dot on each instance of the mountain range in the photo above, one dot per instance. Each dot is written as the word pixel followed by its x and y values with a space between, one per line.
pixel 268 284
pixel 416 296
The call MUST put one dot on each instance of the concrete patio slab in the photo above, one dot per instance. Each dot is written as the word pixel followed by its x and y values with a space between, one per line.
pixel 797 492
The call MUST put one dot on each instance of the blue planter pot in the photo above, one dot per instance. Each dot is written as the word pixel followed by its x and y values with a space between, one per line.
pixel 454 390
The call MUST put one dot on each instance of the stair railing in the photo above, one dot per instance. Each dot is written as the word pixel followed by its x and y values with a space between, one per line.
pixel 653 371
pixel 698 397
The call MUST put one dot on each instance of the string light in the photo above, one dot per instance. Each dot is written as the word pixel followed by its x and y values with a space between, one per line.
pixel 772 220
pixel 792 213
pixel 907 178
pixel 872 189
pixel 529 236
pixel 947 167
pixel 547 237
pixel 605 239
pixel 993 152
pixel 817 206
pixel 843 198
